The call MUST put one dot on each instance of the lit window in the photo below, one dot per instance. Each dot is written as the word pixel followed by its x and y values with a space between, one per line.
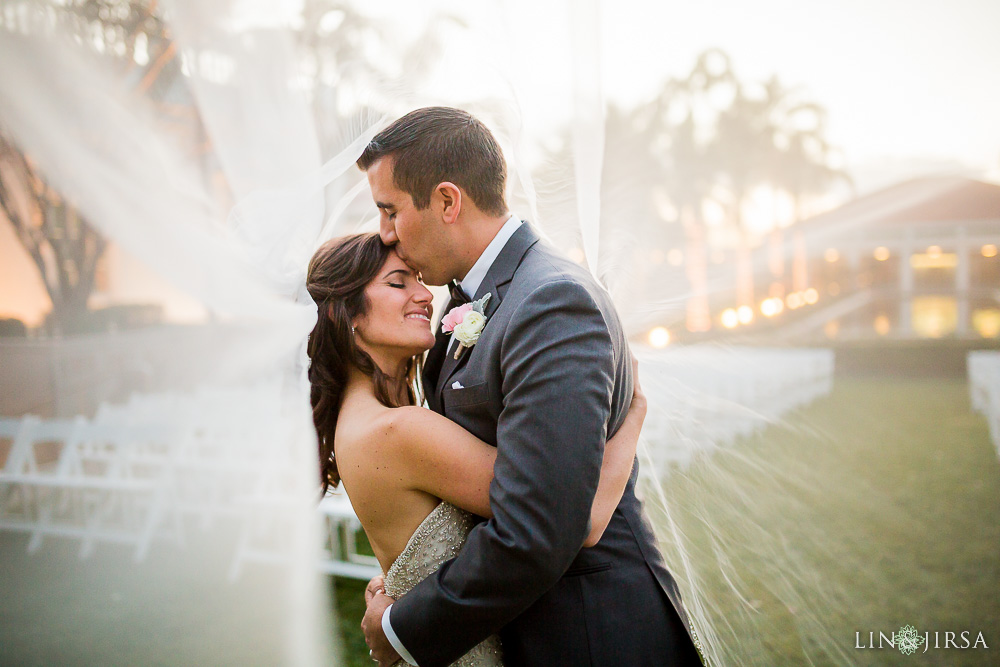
pixel 934 316
pixel 939 260
pixel 986 322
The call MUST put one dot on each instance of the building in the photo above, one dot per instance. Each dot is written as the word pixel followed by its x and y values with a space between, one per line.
pixel 916 260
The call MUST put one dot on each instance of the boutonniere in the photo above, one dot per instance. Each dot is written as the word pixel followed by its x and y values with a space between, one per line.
pixel 466 322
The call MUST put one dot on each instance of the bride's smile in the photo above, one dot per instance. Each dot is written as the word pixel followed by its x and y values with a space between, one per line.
pixel 397 324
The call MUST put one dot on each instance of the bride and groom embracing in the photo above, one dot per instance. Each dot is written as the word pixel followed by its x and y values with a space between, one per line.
pixel 533 424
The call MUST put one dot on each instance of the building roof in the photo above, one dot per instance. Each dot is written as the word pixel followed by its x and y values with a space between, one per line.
pixel 941 199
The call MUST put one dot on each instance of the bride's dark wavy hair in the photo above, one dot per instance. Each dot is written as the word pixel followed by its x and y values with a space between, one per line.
pixel 337 277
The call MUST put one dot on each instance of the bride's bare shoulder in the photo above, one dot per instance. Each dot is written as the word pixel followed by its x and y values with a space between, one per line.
pixel 380 430
pixel 399 426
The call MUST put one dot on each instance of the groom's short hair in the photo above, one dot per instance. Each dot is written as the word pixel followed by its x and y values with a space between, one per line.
pixel 436 144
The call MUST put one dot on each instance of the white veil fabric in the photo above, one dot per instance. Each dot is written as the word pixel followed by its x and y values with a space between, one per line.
pixel 240 250
pixel 228 462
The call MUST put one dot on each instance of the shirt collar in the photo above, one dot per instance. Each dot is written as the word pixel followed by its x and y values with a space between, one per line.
pixel 474 278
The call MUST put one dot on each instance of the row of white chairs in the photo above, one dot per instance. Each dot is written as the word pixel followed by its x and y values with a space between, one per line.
pixel 983 368
pixel 70 478
pixel 703 397
pixel 144 471
pixel 265 538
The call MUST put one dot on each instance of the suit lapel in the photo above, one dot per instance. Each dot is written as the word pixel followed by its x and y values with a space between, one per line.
pixel 432 369
pixel 495 284
pixel 435 358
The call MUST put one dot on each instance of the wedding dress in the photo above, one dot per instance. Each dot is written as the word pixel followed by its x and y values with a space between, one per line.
pixel 438 538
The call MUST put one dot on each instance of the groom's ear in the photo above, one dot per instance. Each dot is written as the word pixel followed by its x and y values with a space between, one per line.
pixel 447 198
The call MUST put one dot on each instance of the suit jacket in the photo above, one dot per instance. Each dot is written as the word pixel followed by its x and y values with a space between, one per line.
pixel 548 381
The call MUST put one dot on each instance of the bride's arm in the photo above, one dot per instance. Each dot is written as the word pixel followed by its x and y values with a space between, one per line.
pixel 616 468
pixel 435 455
pixel 439 457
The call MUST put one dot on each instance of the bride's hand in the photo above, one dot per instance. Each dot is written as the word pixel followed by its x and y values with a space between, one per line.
pixel 376 602
pixel 374 586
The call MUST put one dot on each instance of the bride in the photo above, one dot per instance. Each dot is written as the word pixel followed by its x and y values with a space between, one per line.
pixel 416 479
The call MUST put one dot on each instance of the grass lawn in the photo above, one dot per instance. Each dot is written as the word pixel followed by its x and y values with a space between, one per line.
pixel 875 507
pixel 872 508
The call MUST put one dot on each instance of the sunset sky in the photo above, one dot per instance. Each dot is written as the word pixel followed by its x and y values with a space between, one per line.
pixel 909 86
pixel 900 79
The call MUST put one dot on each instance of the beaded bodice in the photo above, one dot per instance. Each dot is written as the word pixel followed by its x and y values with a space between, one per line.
pixel 438 538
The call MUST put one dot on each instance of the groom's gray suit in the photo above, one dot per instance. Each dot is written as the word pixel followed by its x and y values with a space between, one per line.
pixel 549 380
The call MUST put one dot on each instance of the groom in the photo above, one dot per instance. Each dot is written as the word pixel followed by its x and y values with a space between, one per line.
pixel 547 382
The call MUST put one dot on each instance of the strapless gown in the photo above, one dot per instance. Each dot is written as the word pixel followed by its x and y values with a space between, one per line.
pixel 438 538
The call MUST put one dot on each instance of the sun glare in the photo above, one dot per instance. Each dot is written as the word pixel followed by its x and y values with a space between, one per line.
pixel 659 337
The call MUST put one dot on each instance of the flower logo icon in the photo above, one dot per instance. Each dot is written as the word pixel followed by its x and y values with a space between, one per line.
pixel 908 640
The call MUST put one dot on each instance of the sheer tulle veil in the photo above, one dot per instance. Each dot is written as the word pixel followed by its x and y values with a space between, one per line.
pixel 284 134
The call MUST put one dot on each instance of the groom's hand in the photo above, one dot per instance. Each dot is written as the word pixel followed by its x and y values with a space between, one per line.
pixel 382 651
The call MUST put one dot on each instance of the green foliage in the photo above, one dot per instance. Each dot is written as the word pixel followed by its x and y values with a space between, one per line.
pixel 350 597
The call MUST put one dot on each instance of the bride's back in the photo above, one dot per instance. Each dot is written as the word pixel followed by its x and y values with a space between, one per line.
pixel 376 477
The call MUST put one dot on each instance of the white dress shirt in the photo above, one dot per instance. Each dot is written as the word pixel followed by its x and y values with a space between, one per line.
pixel 474 278
pixel 470 285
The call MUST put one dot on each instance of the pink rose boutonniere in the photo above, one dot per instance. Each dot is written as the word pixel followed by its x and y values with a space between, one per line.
pixel 466 322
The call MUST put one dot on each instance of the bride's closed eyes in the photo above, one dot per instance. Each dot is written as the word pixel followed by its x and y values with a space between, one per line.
pixel 399 278
pixel 393 278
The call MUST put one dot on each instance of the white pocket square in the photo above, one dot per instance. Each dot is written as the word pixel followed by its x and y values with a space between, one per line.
pixel 457 385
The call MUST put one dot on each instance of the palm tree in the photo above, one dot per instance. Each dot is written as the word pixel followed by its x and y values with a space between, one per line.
pixel 802 165
pixel 688 183
pixel 667 148
pixel 774 138
pixel 335 38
